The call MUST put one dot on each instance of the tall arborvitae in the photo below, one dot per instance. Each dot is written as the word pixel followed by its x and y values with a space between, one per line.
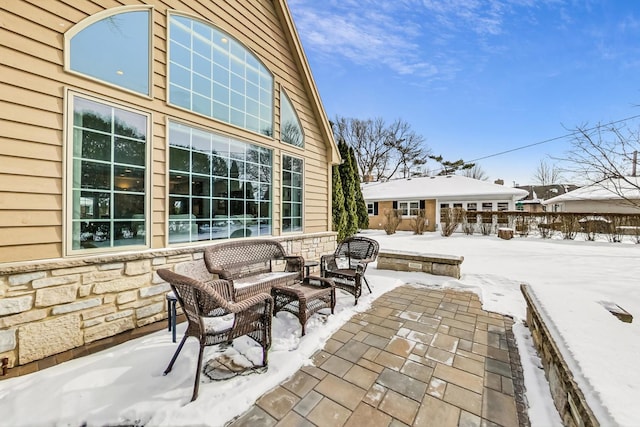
pixel 339 216
pixel 349 189
pixel 361 206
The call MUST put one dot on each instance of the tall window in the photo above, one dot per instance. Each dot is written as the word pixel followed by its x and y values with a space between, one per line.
pixel 108 180
pixel 213 74
pixel 292 174
pixel 409 208
pixel 290 128
pixel 219 187
pixel 115 49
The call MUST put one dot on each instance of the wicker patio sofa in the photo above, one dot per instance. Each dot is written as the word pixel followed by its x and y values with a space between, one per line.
pixel 253 266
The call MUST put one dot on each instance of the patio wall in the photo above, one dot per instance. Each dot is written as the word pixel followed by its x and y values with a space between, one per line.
pixel 567 396
pixel 49 307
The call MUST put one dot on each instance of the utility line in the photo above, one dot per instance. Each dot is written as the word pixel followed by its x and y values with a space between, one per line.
pixel 552 139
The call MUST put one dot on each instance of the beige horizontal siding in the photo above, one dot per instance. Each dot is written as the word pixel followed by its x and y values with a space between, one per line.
pixel 23 218
pixel 24 252
pixel 29 235
pixel 29 184
pixel 21 166
pixel 32 112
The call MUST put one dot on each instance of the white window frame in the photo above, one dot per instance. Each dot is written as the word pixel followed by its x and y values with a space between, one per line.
pixel 68 179
pixel 292 188
pixel 407 207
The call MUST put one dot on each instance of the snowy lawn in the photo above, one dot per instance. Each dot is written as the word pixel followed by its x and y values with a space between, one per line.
pixel 124 385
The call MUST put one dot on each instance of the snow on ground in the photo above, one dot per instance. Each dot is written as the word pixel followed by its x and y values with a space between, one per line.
pixel 125 385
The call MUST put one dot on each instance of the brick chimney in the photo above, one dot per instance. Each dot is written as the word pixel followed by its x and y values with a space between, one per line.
pixel 499 181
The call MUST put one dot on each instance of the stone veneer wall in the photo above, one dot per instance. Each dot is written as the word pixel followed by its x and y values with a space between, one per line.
pixel 567 396
pixel 48 307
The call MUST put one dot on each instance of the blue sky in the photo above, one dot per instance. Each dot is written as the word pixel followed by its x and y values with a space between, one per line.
pixel 477 77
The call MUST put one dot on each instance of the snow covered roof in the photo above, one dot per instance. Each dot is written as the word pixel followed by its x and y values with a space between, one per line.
pixel 438 187
pixel 609 189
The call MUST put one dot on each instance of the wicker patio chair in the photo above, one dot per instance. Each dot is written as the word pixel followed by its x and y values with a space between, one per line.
pixel 347 265
pixel 205 303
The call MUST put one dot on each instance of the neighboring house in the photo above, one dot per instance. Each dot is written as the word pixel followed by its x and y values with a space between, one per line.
pixel 603 197
pixel 133 135
pixel 540 193
pixel 432 194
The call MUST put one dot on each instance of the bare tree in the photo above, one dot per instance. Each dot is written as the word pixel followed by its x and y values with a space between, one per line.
pixel 606 156
pixel 476 172
pixel 382 150
pixel 547 174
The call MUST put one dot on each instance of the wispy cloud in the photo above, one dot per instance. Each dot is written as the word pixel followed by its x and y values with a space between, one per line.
pixel 422 38
pixel 365 35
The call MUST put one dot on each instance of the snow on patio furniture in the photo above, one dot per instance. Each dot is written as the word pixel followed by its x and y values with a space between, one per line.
pixel 253 266
pixel 214 317
pixel 305 298
pixel 348 264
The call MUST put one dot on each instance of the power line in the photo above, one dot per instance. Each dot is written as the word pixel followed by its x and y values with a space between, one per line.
pixel 553 139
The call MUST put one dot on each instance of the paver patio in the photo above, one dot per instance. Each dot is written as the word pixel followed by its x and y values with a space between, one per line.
pixel 420 356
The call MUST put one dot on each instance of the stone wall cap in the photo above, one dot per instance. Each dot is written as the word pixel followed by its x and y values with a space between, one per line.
pixel 443 258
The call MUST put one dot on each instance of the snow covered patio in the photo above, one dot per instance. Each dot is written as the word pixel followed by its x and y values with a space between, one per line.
pixel 124 385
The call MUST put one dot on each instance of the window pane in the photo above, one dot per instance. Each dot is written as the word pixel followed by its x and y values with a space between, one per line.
pixel 93 175
pixel 200 163
pixel 202 85
pixel 92 145
pixel 201 207
pixel 129 124
pixel 179 159
pixel 91 235
pixel 178 184
pixel 129 151
pixel 221 187
pixel 200 186
pixel 127 205
pixel 180 97
pixel 90 205
pixel 92 115
pixel 128 179
pixel 201 65
pixel 179 55
pixel 115 50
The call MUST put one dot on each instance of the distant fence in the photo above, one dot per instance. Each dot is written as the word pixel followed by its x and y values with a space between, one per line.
pixel 613 226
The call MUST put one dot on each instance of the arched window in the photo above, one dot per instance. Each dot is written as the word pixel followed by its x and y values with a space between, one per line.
pixel 290 128
pixel 113 46
pixel 213 74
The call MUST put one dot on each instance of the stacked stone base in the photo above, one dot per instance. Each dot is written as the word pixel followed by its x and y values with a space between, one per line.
pixel 55 307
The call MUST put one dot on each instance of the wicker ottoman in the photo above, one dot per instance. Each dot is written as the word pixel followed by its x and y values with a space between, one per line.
pixel 304 298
